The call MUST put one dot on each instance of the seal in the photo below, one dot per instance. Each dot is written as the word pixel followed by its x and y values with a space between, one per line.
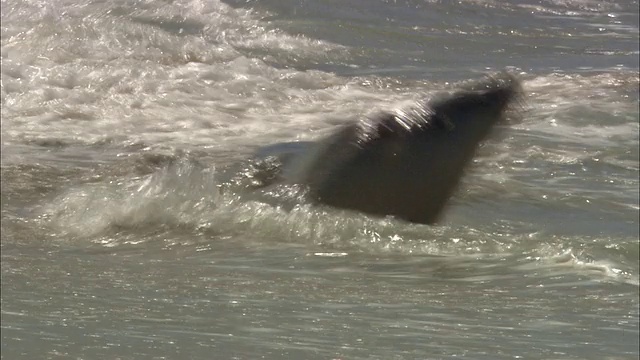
pixel 405 163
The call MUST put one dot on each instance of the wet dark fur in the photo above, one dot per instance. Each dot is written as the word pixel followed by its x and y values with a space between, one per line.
pixel 406 163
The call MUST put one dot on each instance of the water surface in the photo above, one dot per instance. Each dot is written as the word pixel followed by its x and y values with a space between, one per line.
pixel 119 116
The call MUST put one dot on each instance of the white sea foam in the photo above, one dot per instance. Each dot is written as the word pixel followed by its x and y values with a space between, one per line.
pixel 81 76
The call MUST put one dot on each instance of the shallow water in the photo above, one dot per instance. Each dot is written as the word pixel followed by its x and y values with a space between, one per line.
pixel 118 118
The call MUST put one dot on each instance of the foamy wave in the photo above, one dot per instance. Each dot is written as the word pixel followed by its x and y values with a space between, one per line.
pixel 185 69
pixel 182 193
pixel 567 262
pixel 185 196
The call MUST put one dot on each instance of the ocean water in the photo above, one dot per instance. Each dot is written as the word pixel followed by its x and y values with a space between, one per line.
pixel 118 117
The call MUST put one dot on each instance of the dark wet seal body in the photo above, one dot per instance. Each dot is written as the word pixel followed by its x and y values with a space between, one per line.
pixel 405 163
